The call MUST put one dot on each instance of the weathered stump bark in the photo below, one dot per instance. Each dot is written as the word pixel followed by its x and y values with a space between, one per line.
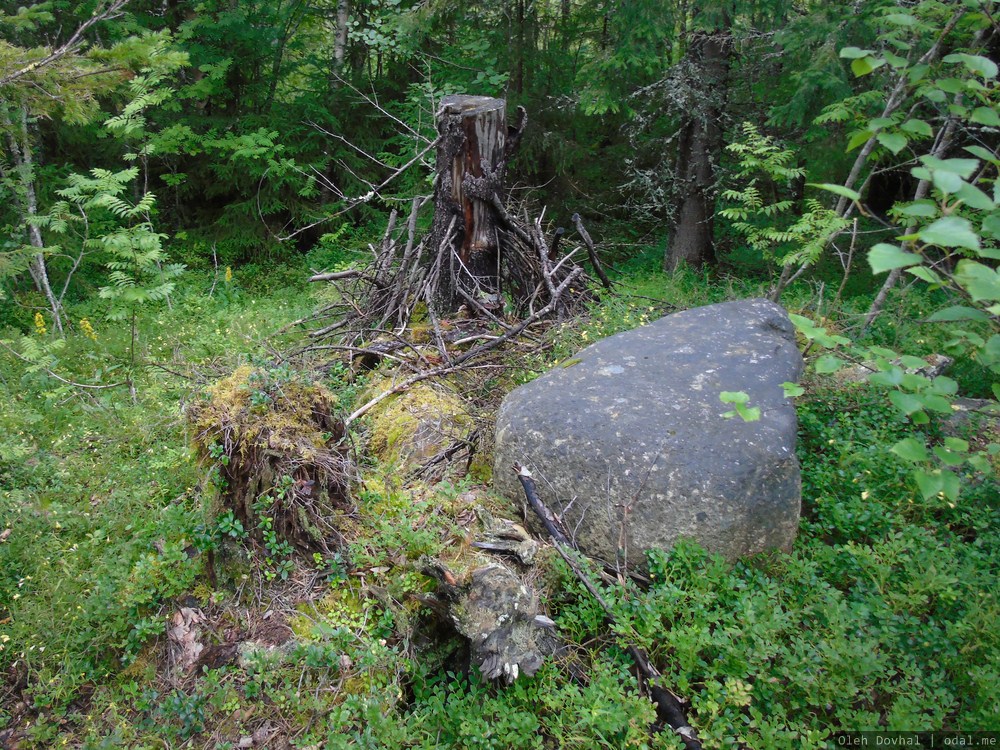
pixel 471 160
pixel 501 616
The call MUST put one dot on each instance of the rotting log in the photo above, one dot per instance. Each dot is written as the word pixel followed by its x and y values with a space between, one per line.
pixel 471 161
pixel 499 614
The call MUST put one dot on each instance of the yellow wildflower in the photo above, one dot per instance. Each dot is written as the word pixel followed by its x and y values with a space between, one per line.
pixel 229 274
pixel 40 328
pixel 88 329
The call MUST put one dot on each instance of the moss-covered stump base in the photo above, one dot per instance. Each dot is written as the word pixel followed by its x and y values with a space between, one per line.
pixel 501 616
pixel 279 446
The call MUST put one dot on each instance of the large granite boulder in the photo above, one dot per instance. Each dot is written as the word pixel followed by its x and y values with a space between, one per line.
pixel 628 440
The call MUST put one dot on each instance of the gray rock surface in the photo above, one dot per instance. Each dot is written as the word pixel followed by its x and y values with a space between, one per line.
pixel 628 443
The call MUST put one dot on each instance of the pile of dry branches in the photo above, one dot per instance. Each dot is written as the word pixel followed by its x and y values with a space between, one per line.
pixel 393 308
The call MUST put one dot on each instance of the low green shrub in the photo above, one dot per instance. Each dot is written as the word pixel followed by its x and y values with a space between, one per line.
pixel 884 615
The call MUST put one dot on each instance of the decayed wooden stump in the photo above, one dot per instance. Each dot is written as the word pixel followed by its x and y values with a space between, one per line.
pixel 501 616
pixel 471 160
pixel 479 256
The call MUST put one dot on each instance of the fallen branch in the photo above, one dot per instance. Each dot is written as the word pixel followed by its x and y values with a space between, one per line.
pixel 668 706
pixel 439 287
pixel 552 524
pixel 382 298
pixel 352 203
pixel 348 274
pixel 591 251
pixel 466 357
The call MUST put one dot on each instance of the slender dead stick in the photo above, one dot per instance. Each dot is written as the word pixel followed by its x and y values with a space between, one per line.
pixel 101 13
pixel 591 251
pixel 668 706
pixel 336 275
pixel 552 524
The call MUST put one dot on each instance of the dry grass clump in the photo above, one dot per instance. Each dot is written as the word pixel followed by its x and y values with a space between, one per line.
pixel 280 450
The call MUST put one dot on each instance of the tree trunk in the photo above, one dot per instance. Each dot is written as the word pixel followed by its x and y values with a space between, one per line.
pixel 19 143
pixel 517 84
pixel 471 160
pixel 288 29
pixel 340 39
pixel 699 147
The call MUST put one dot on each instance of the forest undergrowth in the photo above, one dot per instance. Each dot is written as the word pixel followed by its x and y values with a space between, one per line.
pixel 885 614
pixel 210 535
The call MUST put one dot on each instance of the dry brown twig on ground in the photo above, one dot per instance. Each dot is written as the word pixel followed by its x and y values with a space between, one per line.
pixel 669 708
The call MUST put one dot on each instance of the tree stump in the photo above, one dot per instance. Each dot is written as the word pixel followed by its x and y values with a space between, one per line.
pixel 471 161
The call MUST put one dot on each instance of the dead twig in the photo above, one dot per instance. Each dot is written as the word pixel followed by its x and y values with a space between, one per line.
pixel 467 356
pixel 103 12
pixel 334 276
pixel 591 251
pixel 400 285
pixel 668 706
pixel 352 203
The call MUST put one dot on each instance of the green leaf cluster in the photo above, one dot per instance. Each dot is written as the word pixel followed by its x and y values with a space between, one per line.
pixel 776 229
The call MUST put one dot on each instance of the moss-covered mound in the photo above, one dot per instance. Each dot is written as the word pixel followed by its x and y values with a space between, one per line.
pixel 280 453
pixel 419 424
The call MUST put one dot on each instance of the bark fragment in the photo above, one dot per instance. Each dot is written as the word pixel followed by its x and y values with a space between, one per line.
pixel 509 635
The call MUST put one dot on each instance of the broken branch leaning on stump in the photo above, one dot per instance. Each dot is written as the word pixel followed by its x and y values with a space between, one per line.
pixel 591 251
pixel 668 707
pixel 480 269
